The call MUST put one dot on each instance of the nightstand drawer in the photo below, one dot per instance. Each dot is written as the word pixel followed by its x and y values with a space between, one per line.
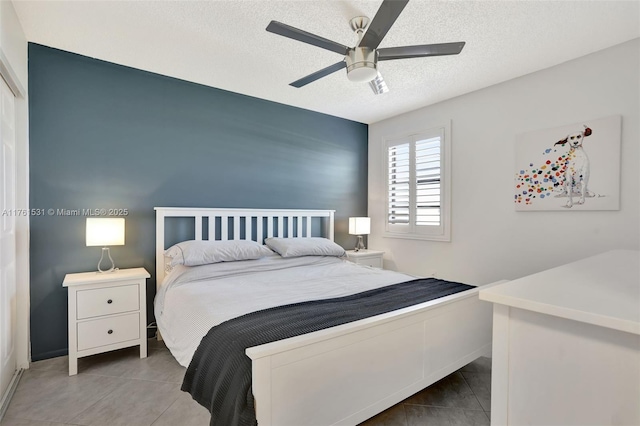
pixel 107 331
pixel 375 262
pixel 106 301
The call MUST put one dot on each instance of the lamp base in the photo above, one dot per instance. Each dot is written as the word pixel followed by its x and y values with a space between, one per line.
pixel 113 265
pixel 360 244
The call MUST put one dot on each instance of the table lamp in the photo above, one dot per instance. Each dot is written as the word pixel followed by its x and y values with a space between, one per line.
pixel 105 232
pixel 359 226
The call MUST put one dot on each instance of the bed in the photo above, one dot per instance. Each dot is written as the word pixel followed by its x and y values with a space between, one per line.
pixel 340 375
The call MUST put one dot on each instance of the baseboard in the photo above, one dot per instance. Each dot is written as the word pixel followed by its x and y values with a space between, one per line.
pixel 11 389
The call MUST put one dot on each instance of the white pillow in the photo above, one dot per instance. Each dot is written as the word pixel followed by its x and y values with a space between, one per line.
pixel 193 253
pixel 312 246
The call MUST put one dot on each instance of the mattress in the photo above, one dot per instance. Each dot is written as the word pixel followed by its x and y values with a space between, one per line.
pixel 193 299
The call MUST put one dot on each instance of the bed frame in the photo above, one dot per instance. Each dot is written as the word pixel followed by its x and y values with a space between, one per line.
pixel 346 374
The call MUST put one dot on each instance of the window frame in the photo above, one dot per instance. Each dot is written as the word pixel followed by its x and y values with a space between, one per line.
pixel 412 230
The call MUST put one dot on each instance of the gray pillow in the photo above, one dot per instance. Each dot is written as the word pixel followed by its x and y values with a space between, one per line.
pixel 311 246
pixel 193 253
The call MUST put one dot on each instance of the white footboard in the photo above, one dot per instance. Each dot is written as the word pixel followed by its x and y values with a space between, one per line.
pixel 346 374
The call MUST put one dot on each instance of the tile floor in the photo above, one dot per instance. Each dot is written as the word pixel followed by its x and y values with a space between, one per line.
pixel 119 388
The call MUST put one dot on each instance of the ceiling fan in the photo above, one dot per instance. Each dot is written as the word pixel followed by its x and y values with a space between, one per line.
pixel 361 61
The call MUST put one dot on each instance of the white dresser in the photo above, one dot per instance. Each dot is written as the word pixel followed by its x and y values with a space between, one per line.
pixel 566 344
pixel 107 311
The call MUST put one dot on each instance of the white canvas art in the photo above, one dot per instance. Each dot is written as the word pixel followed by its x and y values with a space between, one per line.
pixel 569 168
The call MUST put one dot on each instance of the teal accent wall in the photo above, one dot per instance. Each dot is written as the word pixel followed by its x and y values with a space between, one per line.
pixel 105 136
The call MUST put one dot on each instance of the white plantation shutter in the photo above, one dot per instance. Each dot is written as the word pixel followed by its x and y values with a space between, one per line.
pixel 399 184
pixel 417 196
pixel 427 180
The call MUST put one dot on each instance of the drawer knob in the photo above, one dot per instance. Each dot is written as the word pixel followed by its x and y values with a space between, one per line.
pixel 110 332
pixel 109 301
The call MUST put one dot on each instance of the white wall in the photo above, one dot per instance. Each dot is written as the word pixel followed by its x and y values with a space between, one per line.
pixel 13 48
pixel 13 68
pixel 489 239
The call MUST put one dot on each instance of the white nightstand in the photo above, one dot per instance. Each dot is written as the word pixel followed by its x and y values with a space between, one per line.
pixel 107 311
pixel 366 257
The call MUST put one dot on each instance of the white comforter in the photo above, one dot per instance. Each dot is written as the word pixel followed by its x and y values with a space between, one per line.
pixel 194 299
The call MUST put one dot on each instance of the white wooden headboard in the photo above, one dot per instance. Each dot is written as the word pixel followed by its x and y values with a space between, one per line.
pixel 236 224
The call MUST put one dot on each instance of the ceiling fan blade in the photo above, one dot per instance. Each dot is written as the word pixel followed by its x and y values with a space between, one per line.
pixel 405 52
pixel 305 37
pixel 382 22
pixel 318 74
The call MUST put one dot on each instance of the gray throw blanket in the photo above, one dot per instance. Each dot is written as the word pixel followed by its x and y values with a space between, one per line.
pixel 219 376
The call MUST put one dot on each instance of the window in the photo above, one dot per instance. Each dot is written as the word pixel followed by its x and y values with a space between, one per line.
pixel 418 196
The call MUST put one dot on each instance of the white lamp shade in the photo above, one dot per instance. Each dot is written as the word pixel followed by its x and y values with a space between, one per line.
pixel 359 225
pixel 105 232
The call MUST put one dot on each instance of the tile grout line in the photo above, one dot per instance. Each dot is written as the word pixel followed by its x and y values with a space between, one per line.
pixel 98 400
pixel 44 422
pixel 474 393
pixel 444 406
pixel 477 373
pixel 132 378
pixel 53 369
pixel 406 419
pixel 165 410
pixel 108 394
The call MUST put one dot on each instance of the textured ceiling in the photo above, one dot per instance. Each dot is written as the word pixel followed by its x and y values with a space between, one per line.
pixel 224 44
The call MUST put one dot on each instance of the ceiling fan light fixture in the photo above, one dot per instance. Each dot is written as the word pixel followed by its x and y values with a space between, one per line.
pixel 361 64
pixel 362 72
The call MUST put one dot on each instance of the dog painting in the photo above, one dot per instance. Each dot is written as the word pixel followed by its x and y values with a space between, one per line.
pixel 574 167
